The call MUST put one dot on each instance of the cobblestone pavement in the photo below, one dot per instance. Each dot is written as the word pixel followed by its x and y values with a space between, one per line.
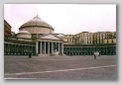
pixel 61 67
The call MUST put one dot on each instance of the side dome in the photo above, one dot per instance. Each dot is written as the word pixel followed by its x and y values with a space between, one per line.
pixel 60 35
pixel 37 26
pixel 23 34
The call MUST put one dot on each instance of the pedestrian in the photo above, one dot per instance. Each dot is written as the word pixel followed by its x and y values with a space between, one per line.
pixel 95 55
pixel 29 55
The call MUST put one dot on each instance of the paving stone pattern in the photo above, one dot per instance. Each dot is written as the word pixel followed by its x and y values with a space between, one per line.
pixel 59 67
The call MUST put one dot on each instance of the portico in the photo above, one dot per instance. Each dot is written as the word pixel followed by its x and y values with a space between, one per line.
pixel 49 45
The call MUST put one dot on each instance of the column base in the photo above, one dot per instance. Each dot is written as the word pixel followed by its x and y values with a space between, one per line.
pixel 43 55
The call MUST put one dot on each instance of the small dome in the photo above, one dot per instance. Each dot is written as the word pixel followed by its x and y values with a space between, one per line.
pixel 23 32
pixel 36 22
pixel 60 35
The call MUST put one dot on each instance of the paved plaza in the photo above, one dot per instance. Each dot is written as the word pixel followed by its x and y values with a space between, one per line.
pixel 61 67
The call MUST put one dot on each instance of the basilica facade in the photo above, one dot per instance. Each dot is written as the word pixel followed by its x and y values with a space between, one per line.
pixel 35 36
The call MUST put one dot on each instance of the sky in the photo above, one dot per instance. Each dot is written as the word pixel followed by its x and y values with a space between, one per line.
pixel 64 18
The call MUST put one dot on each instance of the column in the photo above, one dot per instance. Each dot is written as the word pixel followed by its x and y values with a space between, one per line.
pixel 44 47
pixel 57 46
pixel 37 47
pixel 52 47
pixel 40 47
pixel 48 47
pixel 62 46
pixel 59 50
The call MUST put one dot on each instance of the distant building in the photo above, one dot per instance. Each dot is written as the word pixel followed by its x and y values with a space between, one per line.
pixel 69 38
pixel 92 38
pixel 84 38
pixel 7 29
pixel 98 37
pixel 110 38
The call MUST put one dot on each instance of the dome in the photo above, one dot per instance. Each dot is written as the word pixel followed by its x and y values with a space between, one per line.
pixel 23 34
pixel 36 22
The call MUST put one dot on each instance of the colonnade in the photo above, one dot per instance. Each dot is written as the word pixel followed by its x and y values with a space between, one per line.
pixel 18 49
pixel 73 50
pixel 49 48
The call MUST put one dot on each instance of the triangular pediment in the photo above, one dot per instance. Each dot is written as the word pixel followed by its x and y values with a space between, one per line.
pixel 51 37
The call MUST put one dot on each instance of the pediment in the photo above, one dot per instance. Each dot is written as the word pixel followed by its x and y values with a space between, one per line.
pixel 51 37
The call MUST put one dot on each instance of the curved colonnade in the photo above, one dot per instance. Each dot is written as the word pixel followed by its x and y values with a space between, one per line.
pixel 105 49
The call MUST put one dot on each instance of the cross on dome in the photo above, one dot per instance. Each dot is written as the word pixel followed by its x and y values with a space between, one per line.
pixel 36 14
pixel 36 17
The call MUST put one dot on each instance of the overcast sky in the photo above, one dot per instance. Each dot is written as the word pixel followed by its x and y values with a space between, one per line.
pixel 64 18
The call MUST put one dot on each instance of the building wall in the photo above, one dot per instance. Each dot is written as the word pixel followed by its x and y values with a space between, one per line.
pixel 7 29
pixel 92 38
pixel 110 37
pixel 69 38
pixel 98 37
pixel 84 38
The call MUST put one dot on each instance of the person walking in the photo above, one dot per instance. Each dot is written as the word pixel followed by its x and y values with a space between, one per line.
pixel 95 55
pixel 29 55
